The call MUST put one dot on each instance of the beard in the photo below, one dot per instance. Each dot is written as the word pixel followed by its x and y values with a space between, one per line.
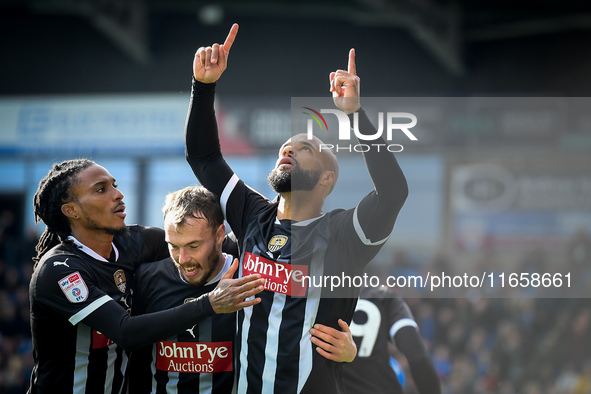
pixel 208 269
pixel 294 180
pixel 109 230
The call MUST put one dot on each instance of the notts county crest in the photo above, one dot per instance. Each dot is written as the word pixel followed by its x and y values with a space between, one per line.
pixel 276 243
pixel 120 281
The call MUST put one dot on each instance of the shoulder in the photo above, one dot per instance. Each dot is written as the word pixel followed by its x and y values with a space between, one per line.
pixel 143 233
pixel 155 269
pixel 59 266
pixel 61 259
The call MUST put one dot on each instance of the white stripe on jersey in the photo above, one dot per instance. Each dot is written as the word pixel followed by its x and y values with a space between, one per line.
pixel 312 304
pixel 243 346
pixel 272 344
pixel 153 367
pixel 83 335
pixel 361 234
pixel 123 369
pixel 173 383
pixel 227 191
pixel 111 358
pixel 401 323
pixel 205 328
pixel 83 313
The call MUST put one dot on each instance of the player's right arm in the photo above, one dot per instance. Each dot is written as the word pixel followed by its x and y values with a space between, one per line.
pixel 410 343
pixel 404 333
pixel 62 284
pixel 202 145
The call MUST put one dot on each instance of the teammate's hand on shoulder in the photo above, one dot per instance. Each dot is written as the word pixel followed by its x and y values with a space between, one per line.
pixel 344 86
pixel 210 62
pixel 333 344
pixel 230 294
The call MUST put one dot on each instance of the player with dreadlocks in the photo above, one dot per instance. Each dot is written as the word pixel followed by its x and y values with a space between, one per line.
pixel 80 293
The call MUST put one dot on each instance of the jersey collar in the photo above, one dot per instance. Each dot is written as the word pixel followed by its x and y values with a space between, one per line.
pixel 91 252
pixel 302 223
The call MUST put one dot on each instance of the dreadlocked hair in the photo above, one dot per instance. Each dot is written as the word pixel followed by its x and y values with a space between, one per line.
pixel 53 191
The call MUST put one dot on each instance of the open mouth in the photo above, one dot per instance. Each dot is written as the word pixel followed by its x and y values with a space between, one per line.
pixel 190 271
pixel 120 210
pixel 286 161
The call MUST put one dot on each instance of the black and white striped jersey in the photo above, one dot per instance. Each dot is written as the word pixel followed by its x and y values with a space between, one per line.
pixel 378 317
pixel 276 354
pixel 71 283
pixel 275 351
pixel 197 360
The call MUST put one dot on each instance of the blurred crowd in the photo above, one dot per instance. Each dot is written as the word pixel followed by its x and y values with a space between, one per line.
pixel 16 266
pixel 526 345
pixel 479 345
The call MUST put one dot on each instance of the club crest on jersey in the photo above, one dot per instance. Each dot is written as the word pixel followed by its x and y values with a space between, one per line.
pixel 276 243
pixel 120 281
pixel 74 287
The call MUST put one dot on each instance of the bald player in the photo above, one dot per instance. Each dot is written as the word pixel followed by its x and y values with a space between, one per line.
pixel 291 237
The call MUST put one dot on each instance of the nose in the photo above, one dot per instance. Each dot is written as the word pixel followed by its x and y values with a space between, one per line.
pixel 286 151
pixel 118 195
pixel 183 256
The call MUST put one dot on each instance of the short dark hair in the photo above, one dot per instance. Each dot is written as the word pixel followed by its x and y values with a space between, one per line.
pixel 53 191
pixel 196 202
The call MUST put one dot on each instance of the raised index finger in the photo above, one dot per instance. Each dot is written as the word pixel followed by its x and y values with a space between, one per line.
pixel 351 69
pixel 230 39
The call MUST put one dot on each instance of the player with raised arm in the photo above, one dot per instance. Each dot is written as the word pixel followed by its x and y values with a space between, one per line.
pixel 292 237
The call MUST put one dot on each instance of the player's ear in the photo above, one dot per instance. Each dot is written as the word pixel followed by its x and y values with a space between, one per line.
pixel 70 210
pixel 327 178
pixel 220 233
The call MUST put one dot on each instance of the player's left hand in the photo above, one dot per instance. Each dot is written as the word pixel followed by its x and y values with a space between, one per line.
pixel 344 86
pixel 333 344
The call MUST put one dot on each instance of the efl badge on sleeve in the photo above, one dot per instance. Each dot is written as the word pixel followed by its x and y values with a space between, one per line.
pixel 276 243
pixel 120 281
pixel 74 287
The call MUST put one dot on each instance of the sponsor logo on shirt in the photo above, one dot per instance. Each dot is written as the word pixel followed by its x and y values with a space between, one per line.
pixel 280 277
pixel 120 281
pixel 74 287
pixel 194 357
pixel 276 243
pixel 100 340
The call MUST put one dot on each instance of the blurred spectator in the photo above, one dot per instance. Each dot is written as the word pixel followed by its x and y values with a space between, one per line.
pixel 16 359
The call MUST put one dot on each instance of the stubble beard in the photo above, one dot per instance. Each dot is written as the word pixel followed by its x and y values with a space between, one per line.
pixel 294 180
pixel 212 261
pixel 94 225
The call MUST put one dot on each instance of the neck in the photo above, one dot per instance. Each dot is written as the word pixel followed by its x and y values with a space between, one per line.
pixel 300 206
pixel 98 241
pixel 219 267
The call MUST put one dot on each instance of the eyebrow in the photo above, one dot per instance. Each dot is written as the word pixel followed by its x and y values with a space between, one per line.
pixel 306 143
pixel 187 244
pixel 111 180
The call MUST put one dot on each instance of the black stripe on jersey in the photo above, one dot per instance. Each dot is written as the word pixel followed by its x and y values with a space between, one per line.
pixel 289 339
pixel 118 378
pixel 257 340
pixel 97 372
pixel 163 377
